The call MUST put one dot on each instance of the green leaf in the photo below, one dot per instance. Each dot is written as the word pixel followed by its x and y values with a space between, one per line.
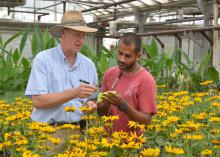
pixel 153 49
pixel 103 63
pixel 185 56
pixel 46 37
pixel 212 74
pixel 3 72
pixel 34 45
pixel 11 38
pixel 37 41
pixel 159 140
pixel 99 98
pixel 23 40
pixel 177 56
pixel 16 56
pixel 1 41
pixel 39 36
pixel 50 43
pixel 169 63
pixel 25 62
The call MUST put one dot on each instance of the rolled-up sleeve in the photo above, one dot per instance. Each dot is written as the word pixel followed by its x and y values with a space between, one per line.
pixel 38 82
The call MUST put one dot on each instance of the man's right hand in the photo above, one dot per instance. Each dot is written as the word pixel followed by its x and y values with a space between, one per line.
pixel 85 90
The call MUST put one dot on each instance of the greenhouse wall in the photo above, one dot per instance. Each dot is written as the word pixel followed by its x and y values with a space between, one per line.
pixel 194 46
pixel 90 40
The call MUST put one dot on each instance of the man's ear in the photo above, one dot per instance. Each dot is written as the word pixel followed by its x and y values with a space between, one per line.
pixel 138 55
pixel 62 32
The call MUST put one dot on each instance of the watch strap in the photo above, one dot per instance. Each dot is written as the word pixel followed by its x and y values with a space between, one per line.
pixel 123 106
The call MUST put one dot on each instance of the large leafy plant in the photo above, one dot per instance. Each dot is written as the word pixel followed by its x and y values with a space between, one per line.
pixel 14 67
pixel 177 70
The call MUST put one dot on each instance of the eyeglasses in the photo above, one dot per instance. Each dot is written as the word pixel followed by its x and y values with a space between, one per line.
pixel 76 34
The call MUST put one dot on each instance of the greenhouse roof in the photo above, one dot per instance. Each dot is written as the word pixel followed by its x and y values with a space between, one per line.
pixel 127 13
pixel 105 9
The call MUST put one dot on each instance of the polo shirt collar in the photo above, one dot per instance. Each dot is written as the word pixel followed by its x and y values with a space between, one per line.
pixel 63 58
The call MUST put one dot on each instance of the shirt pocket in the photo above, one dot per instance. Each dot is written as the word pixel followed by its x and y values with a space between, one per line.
pixel 57 83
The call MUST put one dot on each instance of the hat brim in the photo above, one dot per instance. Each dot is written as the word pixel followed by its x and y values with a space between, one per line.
pixel 55 30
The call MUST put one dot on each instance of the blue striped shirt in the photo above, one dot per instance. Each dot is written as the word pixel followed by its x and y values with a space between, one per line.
pixel 51 73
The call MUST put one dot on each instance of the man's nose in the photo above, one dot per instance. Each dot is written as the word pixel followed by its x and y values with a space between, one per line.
pixel 122 58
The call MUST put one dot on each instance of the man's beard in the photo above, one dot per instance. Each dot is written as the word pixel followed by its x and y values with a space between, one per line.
pixel 126 67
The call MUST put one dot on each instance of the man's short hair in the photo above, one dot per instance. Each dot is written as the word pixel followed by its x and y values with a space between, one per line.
pixel 131 38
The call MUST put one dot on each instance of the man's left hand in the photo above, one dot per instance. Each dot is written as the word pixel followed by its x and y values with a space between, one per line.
pixel 113 98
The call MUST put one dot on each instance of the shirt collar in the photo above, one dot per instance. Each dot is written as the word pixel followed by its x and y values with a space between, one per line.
pixel 63 58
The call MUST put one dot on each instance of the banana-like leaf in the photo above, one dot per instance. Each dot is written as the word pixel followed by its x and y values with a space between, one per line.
pixel 16 56
pixel 176 56
pixel 11 39
pixel 103 63
pixel 1 41
pixel 23 40
pixel 212 74
pixel 152 49
pixel 25 62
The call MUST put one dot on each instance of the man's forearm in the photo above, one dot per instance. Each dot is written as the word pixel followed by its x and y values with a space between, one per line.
pixel 50 100
pixel 137 116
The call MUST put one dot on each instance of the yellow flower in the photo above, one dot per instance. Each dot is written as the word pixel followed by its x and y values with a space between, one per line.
pixel 21 141
pixel 217 104
pixel 74 136
pixel 218 146
pixel 1 146
pixel 198 99
pixel 28 153
pixel 120 135
pixel 20 149
pixel 172 119
pixel 206 152
pixel 189 126
pixel 70 108
pixel 174 150
pixel 216 142
pixel 98 154
pixel 161 86
pixel 87 144
pixel 135 138
pixel 193 137
pixel 109 143
pixel 110 118
pixel 98 131
pixel 214 119
pixel 69 126
pixel 48 129
pixel 199 116
pixel 152 152
pixel 54 140
pixel 85 108
pixel 89 117
pixel 206 82
pixel 135 125
pixel 7 136
pixel 216 131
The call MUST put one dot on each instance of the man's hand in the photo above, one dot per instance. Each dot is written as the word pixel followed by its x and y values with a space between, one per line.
pixel 85 90
pixel 112 97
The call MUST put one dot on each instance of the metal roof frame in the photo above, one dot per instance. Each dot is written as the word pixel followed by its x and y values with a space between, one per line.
pixel 112 10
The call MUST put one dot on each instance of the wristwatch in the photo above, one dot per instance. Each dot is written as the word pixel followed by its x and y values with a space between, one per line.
pixel 123 106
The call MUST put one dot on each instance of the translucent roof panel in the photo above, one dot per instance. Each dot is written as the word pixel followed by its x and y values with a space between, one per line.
pixel 149 2
pixel 163 1
pixel 102 10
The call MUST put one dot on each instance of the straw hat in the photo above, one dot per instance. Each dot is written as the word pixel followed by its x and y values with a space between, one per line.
pixel 73 20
